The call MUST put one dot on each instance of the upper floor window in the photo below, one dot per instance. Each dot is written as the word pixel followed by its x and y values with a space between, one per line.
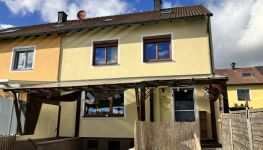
pixel 23 58
pixel 157 48
pixel 105 52
pixel 243 94
pixel 112 106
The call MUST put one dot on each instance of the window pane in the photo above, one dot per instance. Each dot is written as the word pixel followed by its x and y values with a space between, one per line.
pixel 111 54
pixel 239 95
pixel 118 104
pixel 21 60
pixel 246 94
pixel 184 104
pixel 104 106
pixel 163 50
pixel 185 116
pixel 99 55
pixel 29 62
pixel 150 52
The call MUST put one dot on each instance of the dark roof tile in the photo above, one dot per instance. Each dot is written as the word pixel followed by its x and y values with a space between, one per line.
pixel 235 76
pixel 133 18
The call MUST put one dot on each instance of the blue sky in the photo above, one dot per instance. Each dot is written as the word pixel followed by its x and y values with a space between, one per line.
pixel 236 24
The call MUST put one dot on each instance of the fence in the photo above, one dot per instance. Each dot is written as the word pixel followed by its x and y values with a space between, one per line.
pixel 243 130
pixel 166 135
pixel 7 142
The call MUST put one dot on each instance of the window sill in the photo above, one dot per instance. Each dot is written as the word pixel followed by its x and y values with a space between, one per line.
pixel 102 118
pixel 159 61
pixel 22 70
pixel 104 65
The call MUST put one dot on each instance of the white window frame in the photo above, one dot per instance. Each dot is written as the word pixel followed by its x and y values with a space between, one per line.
pixel 101 40
pixel 196 112
pixel 18 49
pixel 250 97
pixel 158 34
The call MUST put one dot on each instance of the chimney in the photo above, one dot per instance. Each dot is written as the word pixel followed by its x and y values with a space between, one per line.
pixel 157 5
pixel 233 65
pixel 62 17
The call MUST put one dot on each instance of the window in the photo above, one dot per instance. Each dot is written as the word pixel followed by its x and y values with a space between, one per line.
pixel 157 48
pixel 184 104
pixel 105 52
pixel 23 58
pixel 108 107
pixel 243 94
pixel 247 74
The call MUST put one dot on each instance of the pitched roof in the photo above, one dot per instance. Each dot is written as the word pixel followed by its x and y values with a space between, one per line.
pixel 132 18
pixel 242 75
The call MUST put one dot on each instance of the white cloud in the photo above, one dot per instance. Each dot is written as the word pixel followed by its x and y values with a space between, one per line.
pixel 167 4
pixel 5 26
pixel 48 8
pixel 237 32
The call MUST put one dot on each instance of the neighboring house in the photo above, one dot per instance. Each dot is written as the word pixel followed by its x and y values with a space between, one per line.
pixel 245 85
pixel 149 66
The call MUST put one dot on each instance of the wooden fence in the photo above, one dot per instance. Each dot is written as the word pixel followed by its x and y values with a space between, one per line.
pixel 243 130
pixel 7 142
pixel 166 135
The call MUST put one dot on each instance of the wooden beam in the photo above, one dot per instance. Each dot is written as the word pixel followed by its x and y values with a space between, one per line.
pixel 58 123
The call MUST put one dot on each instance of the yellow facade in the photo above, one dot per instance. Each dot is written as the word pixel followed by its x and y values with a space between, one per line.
pixel 46 60
pixel 110 127
pixel 190 48
pixel 190 56
pixel 256 95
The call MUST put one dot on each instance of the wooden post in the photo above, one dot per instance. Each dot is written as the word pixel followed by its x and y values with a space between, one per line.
pixel 77 117
pixel 58 123
pixel 213 118
pixel 223 88
pixel 151 106
pixel 138 104
pixel 142 103
pixel 18 114
pixel 250 136
pixel 231 132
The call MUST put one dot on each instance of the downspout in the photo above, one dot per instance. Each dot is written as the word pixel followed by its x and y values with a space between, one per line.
pixel 59 79
pixel 210 45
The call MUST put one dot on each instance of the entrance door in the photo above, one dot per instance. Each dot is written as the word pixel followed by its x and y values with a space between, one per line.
pixel 184 104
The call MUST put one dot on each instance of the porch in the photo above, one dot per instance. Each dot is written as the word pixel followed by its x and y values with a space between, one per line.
pixel 149 104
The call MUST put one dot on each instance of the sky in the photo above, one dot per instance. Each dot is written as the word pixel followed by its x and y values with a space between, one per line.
pixel 237 25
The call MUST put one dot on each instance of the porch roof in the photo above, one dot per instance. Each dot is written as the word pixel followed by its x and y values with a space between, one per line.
pixel 120 83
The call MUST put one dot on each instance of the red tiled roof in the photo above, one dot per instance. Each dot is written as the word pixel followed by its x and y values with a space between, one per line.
pixel 133 18
pixel 235 76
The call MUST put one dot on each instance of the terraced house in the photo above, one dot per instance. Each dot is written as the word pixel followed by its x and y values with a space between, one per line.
pixel 245 86
pixel 106 73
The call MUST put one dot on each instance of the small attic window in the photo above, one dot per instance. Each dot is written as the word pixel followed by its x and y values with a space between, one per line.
pixel 10 30
pixel 247 74
pixel 108 20
pixel 167 11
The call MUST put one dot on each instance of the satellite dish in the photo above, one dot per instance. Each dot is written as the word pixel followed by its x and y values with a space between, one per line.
pixel 81 14
pixel 87 97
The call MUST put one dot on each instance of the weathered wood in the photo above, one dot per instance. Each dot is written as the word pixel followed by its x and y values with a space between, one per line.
pixel 246 129
pixel 7 142
pixel 166 135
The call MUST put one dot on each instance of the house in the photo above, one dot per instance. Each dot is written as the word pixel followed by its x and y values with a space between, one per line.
pixel 106 73
pixel 244 87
